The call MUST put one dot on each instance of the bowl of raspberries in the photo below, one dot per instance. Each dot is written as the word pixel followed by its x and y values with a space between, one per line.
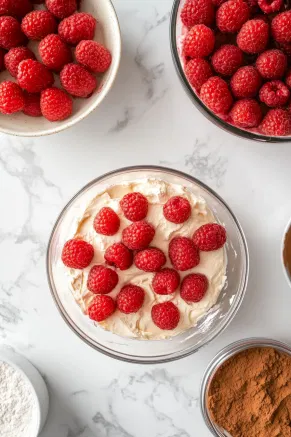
pixel 58 61
pixel 234 60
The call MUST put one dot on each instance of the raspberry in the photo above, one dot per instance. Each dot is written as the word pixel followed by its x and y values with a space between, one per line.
pixel 165 315
pixel 245 82
pixel 119 256
pixel 227 59
pixel 130 299
pixel 138 235
pixel 15 56
pixel 106 222
pixel 77 80
pixel 217 3
pixel 197 72
pixel 199 41
pixel 288 78
pixel 274 93
pixel 2 63
pixel 150 260
pixel 277 122
pixel 102 280
pixel 253 36
pixel 216 95
pixel 272 64
pixel 10 33
pixel 38 24
pixel 11 98
pixel 61 8
pixel 177 209
pixel 15 8
pixel 77 27
pixel 93 56
pixel 246 113
pixel 34 76
pixel 56 104
pixel 54 52
pixel 101 308
pixel 194 287
pixel 183 253
pixel 270 6
pixel 281 27
pixel 32 105
pixel 166 281
pixel 232 15
pixel 210 237
pixel 286 48
pixel 77 254
pixel 197 12
pixel 134 206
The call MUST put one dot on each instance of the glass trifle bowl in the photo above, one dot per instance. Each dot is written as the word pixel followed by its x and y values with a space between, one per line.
pixel 149 351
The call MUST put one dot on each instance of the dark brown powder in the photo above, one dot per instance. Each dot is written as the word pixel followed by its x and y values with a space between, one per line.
pixel 287 251
pixel 250 394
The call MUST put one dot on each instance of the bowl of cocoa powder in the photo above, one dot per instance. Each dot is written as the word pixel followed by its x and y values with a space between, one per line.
pixel 246 390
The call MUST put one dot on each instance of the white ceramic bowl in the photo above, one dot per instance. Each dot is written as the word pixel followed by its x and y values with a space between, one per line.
pixel 285 269
pixel 35 381
pixel 107 32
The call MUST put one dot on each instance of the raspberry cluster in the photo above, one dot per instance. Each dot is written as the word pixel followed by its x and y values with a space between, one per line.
pixel 135 249
pixel 236 56
pixel 64 34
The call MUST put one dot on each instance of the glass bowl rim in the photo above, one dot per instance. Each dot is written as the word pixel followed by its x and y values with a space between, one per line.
pixel 198 103
pixel 131 358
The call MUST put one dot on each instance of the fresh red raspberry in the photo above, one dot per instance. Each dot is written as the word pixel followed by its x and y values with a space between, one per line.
pixel 10 33
pixel 15 8
pixel 281 27
pixel 245 82
pixel 2 62
pixel 216 95
pixel 227 59
pixel 177 209
pixel 15 56
pixel 286 48
pixel 34 76
pixel 56 104
pixel 106 222
pixel 150 260
pixel 130 299
pixel 134 206
pixel 11 98
pixel 77 80
pixel 246 113
pixel 276 123
pixel 197 12
pixel 77 254
pixel 166 315
pixel 183 253
pixel 32 105
pixel 272 64
pixel 270 6
pixel 198 71
pixel 101 308
pixel 288 78
pixel 94 56
pixel 232 15
pixel 38 24
pixel 253 36
pixel 54 52
pixel 199 41
pixel 102 280
pixel 77 27
pixel 166 281
pixel 217 3
pixel 274 94
pixel 61 8
pixel 138 235
pixel 119 256
pixel 211 236
pixel 194 287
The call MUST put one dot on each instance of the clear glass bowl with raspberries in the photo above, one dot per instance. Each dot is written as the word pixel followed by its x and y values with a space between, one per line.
pixel 234 60
pixel 128 264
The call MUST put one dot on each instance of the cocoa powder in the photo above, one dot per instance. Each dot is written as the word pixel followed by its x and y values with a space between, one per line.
pixel 250 394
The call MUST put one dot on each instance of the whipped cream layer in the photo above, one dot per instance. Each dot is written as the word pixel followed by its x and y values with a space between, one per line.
pixel 212 264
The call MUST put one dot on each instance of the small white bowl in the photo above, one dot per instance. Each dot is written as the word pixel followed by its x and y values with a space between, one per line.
pixel 286 271
pixel 107 32
pixel 35 381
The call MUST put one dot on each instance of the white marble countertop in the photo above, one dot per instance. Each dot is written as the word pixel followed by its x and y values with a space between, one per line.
pixel 147 119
